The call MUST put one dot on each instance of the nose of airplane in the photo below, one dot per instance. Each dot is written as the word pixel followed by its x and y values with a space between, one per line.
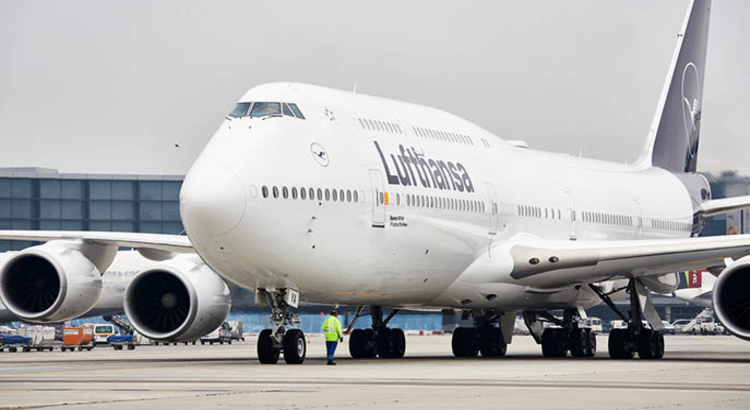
pixel 212 200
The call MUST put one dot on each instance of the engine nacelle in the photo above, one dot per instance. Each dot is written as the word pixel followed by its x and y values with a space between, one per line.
pixel 180 299
pixel 731 298
pixel 53 282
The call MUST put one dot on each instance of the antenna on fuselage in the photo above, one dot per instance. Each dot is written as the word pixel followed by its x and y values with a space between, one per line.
pixel 354 91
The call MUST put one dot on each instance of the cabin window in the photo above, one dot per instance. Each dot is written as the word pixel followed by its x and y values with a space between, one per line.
pixel 302 194
pixel 265 191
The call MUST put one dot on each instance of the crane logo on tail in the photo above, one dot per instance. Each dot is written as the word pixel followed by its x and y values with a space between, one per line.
pixel 691 112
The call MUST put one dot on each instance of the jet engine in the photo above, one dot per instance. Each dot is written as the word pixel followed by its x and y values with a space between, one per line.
pixel 731 298
pixel 54 282
pixel 180 299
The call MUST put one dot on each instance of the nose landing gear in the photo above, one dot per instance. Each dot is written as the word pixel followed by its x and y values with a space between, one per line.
pixel 273 342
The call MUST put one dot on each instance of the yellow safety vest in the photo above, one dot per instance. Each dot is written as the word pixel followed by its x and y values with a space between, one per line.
pixel 332 329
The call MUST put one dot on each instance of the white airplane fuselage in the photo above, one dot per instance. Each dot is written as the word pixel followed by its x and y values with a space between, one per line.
pixel 415 227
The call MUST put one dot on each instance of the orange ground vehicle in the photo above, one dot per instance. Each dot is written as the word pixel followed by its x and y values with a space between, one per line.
pixel 78 337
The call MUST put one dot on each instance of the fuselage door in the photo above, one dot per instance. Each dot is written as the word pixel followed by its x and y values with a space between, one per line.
pixel 492 207
pixel 573 231
pixel 378 199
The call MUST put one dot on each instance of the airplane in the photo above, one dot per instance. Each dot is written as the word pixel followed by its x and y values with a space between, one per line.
pixel 306 193
pixel 699 290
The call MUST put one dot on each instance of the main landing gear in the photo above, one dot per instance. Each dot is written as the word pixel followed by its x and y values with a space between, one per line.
pixel 272 342
pixel 567 337
pixel 380 340
pixel 637 337
pixel 486 337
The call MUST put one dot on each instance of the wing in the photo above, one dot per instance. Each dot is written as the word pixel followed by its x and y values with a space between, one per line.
pixel 168 243
pixel 720 206
pixel 538 262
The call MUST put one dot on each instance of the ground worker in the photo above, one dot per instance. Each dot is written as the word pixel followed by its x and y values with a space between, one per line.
pixel 333 333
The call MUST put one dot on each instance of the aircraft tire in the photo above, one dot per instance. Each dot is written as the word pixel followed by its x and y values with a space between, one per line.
pixel 465 342
pixel 650 344
pixel 579 341
pixel 619 344
pixel 295 346
pixel 399 343
pixel 385 343
pixel 491 343
pixel 554 343
pixel 591 343
pixel 267 352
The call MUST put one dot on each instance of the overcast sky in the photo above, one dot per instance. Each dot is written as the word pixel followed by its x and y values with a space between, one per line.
pixel 106 86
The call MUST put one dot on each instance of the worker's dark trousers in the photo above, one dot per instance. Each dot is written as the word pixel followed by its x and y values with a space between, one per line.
pixel 331 349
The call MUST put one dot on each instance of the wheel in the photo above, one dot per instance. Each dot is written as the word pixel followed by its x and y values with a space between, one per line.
pixel 399 343
pixel 465 342
pixel 26 349
pixel 371 346
pixel 230 342
pixel 578 341
pixel 211 343
pixel 357 342
pixel 295 346
pixel 554 343
pixel 193 342
pixel 131 347
pixel 491 343
pixel 12 349
pixel 385 343
pixel 267 352
pixel 591 345
pixel 650 344
pixel 202 342
pixel 620 346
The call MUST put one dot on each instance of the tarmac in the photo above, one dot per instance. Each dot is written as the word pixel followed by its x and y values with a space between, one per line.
pixel 697 372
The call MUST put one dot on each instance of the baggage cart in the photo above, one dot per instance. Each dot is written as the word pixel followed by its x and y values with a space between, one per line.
pixel 78 338
pixel 118 342
pixel 15 342
pixel 42 337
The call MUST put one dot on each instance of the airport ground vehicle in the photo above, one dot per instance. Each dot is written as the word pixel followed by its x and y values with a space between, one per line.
pixel 668 327
pixel 593 323
pixel 118 342
pixel 102 332
pixel 41 337
pixel 15 342
pixel 226 333
pixel 79 338
pixel 679 325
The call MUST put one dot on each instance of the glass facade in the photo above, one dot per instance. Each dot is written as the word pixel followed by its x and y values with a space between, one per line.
pixel 41 199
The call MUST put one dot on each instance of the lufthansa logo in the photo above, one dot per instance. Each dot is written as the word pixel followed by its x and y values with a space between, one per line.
pixel 320 154
pixel 691 109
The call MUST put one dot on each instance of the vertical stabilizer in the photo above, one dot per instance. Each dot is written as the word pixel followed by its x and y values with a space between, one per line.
pixel 675 131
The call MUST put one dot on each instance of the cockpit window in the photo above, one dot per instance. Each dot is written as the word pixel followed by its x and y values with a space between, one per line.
pixel 287 111
pixel 264 109
pixel 297 112
pixel 240 110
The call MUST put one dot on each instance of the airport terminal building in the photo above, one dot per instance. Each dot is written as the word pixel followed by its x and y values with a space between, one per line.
pixel 44 199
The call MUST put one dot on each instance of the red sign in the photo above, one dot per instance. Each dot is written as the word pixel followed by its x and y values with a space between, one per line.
pixel 695 278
